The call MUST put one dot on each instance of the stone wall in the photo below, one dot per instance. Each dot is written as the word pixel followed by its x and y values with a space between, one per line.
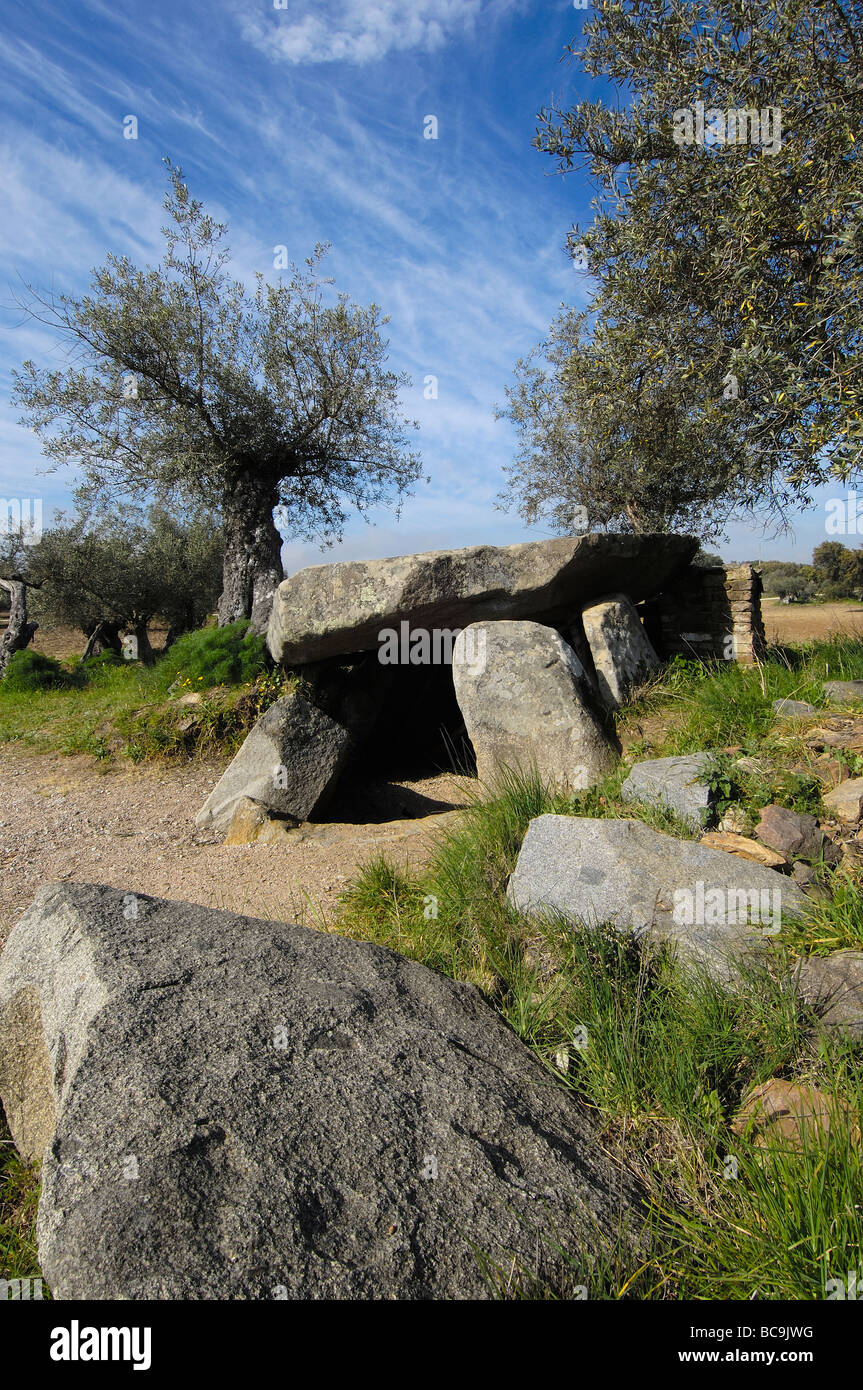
pixel 743 586
pixel 710 612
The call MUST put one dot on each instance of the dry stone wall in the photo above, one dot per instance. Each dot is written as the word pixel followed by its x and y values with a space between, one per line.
pixel 712 612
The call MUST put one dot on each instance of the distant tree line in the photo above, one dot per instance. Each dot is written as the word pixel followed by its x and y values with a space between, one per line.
pixel 836 572
pixel 110 574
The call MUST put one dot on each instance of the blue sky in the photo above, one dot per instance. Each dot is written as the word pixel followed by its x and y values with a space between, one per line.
pixel 304 123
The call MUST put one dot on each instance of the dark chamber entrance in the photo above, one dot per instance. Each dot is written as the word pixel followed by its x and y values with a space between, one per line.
pixel 420 729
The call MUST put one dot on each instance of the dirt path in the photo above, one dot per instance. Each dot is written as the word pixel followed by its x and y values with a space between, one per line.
pixel 134 828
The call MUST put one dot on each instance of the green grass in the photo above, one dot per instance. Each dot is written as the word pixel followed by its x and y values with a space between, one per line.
pixel 211 656
pixel 109 708
pixel 832 924
pixel 735 702
pixel 662 1062
pixel 28 671
pixel 19 1196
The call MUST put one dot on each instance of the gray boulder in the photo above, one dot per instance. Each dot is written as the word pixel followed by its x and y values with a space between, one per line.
pixel 331 610
pixel 623 657
pixel 711 908
pixel 844 692
pixel 793 709
pixel 524 698
pixel 290 763
pixel 239 1109
pixel 672 783
pixel 833 985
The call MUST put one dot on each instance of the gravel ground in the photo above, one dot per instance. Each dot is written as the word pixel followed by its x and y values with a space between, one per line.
pixel 134 827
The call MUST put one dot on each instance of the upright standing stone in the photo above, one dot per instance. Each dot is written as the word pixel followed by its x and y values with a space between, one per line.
pixel 622 655
pixel 523 695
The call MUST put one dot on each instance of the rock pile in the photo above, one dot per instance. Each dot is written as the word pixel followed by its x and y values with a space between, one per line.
pixel 718 901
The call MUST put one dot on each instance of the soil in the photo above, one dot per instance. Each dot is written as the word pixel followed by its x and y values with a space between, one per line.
pixel 133 827
pixel 65 642
pixel 807 622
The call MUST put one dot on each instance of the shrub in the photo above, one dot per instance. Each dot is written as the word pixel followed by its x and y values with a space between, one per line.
pixel 28 671
pixel 96 667
pixel 211 656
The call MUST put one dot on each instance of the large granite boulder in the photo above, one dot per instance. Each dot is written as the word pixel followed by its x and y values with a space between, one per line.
pixel 623 657
pixel 524 698
pixel 330 610
pixel 289 763
pixel 238 1109
pixel 711 908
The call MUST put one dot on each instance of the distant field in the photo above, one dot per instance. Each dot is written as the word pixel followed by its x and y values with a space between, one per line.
pixel 65 642
pixel 806 622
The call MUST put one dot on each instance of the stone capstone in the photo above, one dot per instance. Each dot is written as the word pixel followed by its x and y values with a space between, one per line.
pixel 331 610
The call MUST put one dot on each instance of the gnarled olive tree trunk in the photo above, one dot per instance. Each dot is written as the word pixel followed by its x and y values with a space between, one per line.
pixel 19 631
pixel 105 637
pixel 142 648
pixel 253 564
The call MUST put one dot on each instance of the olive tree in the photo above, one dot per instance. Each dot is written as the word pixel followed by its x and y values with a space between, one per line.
pixel 113 572
pixel 184 383
pixel 718 365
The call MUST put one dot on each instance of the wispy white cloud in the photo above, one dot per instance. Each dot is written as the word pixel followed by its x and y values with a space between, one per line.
pixel 69 209
pixel 446 236
pixel 36 76
pixel 363 31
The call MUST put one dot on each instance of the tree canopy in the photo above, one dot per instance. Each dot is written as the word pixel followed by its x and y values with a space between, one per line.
pixel 717 367
pixel 116 571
